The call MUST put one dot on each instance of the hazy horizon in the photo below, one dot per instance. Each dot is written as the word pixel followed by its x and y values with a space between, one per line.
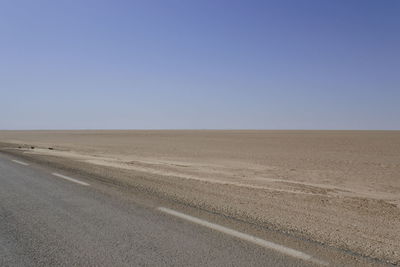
pixel 266 65
pixel 205 129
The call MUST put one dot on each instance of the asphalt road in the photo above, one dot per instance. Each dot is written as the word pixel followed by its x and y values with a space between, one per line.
pixel 46 220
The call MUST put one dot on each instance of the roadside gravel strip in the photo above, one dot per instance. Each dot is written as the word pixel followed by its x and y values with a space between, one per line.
pixel 294 214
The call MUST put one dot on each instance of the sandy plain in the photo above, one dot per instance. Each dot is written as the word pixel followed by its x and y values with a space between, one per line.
pixel 340 188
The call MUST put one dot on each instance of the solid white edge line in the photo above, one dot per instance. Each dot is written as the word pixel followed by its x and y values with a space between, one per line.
pixel 20 162
pixel 255 240
pixel 69 179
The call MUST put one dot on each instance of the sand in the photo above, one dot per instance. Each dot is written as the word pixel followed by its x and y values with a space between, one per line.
pixel 341 188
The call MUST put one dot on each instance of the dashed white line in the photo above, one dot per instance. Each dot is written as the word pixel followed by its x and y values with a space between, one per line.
pixel 20 162
pixel 255 240
pixel 69 179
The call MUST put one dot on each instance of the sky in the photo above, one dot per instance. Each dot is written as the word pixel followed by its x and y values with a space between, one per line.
pixel 209 64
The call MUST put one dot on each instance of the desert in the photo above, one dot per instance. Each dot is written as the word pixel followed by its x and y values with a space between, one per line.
pixel 339 188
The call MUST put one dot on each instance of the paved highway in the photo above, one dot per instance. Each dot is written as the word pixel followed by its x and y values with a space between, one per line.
pixel 52 219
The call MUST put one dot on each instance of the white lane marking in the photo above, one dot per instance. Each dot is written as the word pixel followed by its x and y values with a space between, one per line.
pixel 70 179
pixel 20 162
pixel 246 237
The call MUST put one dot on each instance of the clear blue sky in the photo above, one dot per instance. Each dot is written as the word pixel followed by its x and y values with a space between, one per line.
pixel 312 64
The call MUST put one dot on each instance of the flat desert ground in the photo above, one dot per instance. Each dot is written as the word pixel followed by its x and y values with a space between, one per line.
pixel 339 188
